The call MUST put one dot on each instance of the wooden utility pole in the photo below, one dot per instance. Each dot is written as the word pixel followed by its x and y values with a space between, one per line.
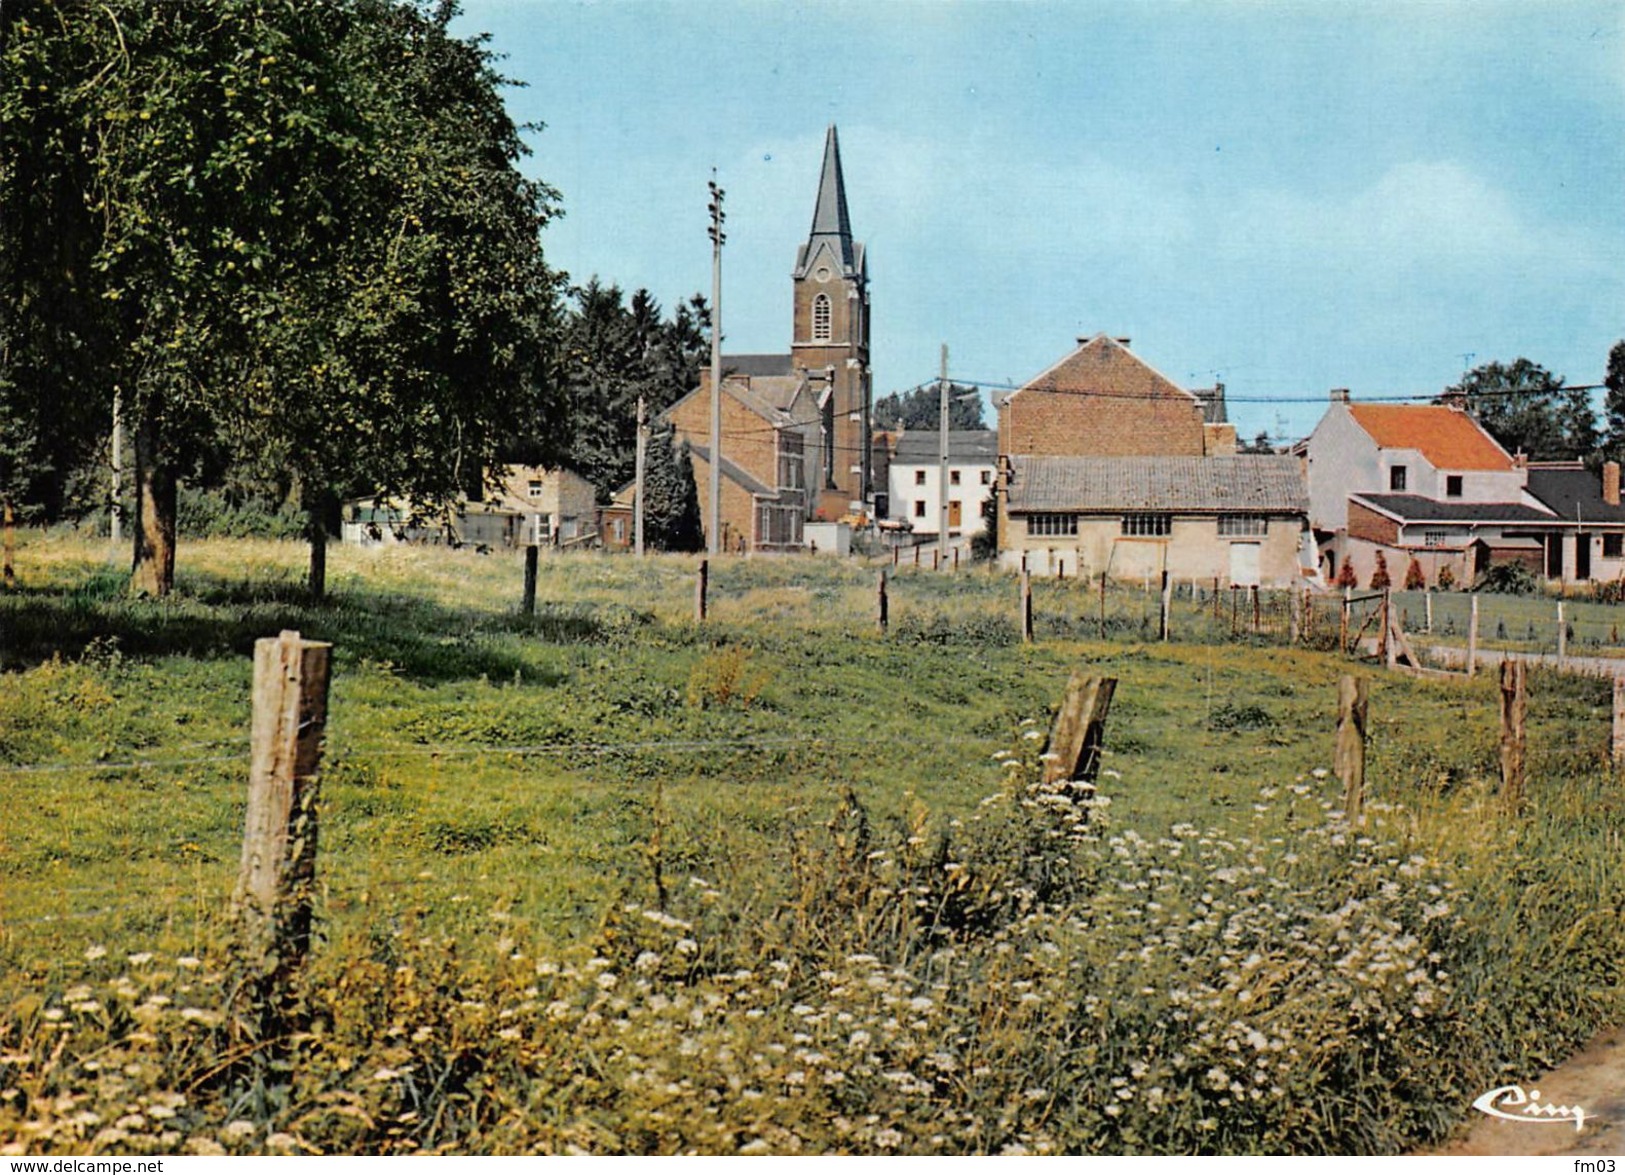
pixel 942 470
pixel 1026 606
pixel 1075 741
pixel 881 610
pixel 637 489
pixel 1472 640
pixel 1350 753
pixel 713 530
pixel 528 603
pixel 272 902
pixel 1514 709
pixel 1616 745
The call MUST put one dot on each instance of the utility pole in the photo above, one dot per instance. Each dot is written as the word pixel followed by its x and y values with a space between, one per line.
pixel 713 530
pixel 637 492
pixel 942 472
pixel 115 514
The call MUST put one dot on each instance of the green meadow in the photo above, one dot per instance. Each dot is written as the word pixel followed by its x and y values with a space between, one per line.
pixel 604 879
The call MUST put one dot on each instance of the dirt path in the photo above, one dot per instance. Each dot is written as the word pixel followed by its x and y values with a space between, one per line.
pixel 1593 1079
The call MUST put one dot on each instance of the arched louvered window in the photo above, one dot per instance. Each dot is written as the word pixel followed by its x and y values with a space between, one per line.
pixel 821 318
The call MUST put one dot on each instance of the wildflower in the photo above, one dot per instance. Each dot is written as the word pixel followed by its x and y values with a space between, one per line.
pixel 190 962
pixel 888 1139
pixel 239 1129
pixel 282 1143
pixel 94 952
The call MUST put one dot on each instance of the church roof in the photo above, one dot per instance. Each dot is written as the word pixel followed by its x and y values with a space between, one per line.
pixel 830 224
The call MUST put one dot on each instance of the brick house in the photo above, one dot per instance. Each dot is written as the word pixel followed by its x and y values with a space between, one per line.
pixel 1426 481
pixel 530 504
pixel 817 396
pixel 1106 465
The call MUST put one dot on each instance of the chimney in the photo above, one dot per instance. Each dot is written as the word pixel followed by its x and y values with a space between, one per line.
pixel 1520 460
pixel 1454 398
pixel 1340 395
pixel 1610 482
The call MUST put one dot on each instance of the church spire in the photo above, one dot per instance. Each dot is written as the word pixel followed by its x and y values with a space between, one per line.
pixel 830 224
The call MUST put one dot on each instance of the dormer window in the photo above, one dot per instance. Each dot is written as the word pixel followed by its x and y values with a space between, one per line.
pixel 1452 485
pixel 1396 479
pixel 821 318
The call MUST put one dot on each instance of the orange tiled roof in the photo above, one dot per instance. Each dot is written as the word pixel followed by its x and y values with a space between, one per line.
pixel 1447 437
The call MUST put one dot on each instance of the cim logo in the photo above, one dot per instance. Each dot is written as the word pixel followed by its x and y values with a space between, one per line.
pixel 1513 1104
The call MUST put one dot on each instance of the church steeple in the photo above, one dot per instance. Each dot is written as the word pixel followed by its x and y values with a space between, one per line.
pixel 831 225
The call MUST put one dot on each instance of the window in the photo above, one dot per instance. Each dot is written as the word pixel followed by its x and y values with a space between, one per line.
pixel 821 318
pixel 1235 526
pixel 620 530
pixel 1148 525
pixel 1613 546
pixel 792 457
pixel 1396 478
pixel 987 477
pixel 1435 538
pixel 1452 485
pixel 919 477
pixel 1051 525
pixel 953 477
pixel 919 508
pixel 534 489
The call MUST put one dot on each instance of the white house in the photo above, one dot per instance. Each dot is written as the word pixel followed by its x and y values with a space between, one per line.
pixel 915 479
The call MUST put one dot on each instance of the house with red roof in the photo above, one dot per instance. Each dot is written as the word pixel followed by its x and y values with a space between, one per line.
pixel 1426 481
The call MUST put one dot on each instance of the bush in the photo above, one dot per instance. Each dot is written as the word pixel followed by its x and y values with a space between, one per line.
pixel 212 514
pixel 1447 578
pixel 1513 579
pixel 1379 575
pixel 1415 581
pixel 1345 576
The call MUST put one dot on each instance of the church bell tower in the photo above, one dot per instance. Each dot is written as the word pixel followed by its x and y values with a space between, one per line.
pixel 830 342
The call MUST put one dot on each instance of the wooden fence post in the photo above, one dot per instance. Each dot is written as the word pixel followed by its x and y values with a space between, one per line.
pixel 1060 568
pixel 1514 708
pixel 1218 607
pixel 1102 605
pixel 880 604
pixel 895 551
pixel 935 555
pixel 1343 622
pixel 1293 620
pixel 1079 731
pixel 1427 597
pixel 916 554
pixel 272 901
pixel 1385 647
pixel 1472 640
pixel 1026 606
pixel 701 583
pixel 1252 591
pixel 528 605
pixel 1352 702
pixel 1167 607
pixel 1617 744
pixel 1562 635
pixel 8 545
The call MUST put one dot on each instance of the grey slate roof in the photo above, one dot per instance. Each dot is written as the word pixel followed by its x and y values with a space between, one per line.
pixel 1255 483
pixel 1415 508
pixel 968 446
pixel 1573 493
pixel 757 365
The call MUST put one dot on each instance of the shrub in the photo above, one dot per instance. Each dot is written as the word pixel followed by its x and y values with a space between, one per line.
pixel 1379 574
pixel 1512 579
pixel 1345 576
pixel 1447 578
pixel 1415 581
pixel 725 677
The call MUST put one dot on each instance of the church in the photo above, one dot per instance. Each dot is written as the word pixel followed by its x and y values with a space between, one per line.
pixel 795 424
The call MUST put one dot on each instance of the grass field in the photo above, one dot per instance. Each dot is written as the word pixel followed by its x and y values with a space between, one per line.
pixel 605 879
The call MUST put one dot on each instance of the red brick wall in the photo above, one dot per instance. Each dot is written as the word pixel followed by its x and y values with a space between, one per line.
pixel 1365 523
pixel 1101 401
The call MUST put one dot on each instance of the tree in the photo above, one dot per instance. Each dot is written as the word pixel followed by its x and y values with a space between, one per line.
pixel 1527 409
pixel 1379 574
pixel 1345 575
pixel 1259 444
pixel 1614 404
pixel 921 408
pixel 984 544
pixel 671 502
pixel 1414 579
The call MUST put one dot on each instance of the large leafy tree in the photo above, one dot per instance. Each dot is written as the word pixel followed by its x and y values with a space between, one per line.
pixel 921 408
pixel 1527 409
pixel 297 241
pixel 1614 403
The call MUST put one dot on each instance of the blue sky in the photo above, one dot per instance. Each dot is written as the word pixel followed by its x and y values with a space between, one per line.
pixel 1288 196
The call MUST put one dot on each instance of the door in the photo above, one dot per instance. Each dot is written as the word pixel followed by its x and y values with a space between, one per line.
pixel 1582 556
pixel 1554 556
pixel 1244 564
pixel 953 514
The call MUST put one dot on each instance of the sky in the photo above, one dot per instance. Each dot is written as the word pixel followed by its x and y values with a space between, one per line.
pixel 1287 197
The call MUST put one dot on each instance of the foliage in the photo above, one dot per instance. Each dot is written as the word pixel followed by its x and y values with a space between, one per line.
pixel 1527 409
pixel 1614 404
pixel 1379 574
pixel 921 409
pixel 1447 577
pixel 1513 579
pixel 984 544
pixel 1345 575
pixel 671 502
pixel 724 678
pixel 613 353
pixel 1414 579
pixel 212 514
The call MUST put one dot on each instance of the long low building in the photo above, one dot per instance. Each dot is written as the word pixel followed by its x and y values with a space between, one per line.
pixel 1241 519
